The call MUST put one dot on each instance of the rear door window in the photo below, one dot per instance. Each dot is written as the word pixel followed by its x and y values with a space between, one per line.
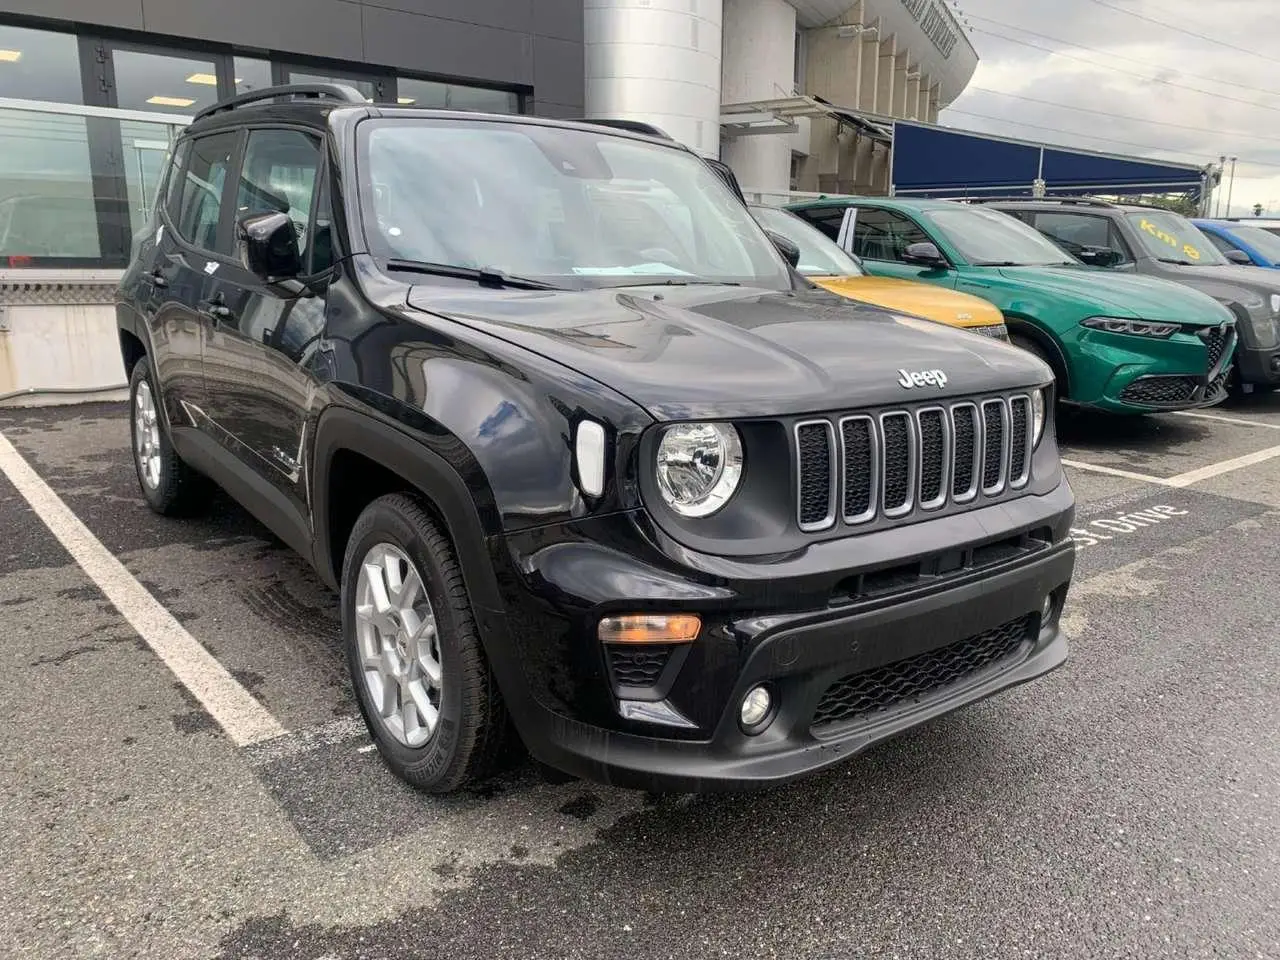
pixel 204 185
pixel 884 235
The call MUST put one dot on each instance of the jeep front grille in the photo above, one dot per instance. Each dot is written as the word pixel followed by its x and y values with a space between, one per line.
pixel 898 464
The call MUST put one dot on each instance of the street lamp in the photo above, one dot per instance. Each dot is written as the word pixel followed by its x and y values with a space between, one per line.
pixel 1231 184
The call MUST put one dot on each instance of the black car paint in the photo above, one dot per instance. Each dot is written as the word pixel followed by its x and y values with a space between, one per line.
pixel 472 396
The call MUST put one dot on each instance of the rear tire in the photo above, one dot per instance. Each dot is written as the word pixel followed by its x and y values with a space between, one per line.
pixel 425 689
pixel 170 487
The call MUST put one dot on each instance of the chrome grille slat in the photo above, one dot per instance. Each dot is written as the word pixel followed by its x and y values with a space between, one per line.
pixel 859 449
pixel 995 446
pixel 863 468
pixel 816 468
pixel 963 490
pixel 1019 441
pixel 899 457
pixel 935 456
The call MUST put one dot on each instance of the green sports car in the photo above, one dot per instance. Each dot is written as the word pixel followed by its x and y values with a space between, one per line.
pixel 1119 343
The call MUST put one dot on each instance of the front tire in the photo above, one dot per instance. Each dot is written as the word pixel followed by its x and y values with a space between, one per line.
pixel 425 689
pixel 170 487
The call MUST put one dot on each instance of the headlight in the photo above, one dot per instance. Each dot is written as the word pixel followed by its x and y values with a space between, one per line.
pixel 1138 328
pixel 699 466
pixel 1037 417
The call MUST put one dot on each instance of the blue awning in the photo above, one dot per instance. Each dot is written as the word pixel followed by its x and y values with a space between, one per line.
pixel 941 161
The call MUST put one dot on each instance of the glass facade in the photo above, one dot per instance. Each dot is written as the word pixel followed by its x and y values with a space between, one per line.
pixel 83 162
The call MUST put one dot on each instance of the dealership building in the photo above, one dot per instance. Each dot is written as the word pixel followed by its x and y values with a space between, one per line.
pixel 794 94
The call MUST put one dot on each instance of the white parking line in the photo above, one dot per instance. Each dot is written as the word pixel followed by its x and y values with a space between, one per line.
pixel 243 718
pixel 1238 421
pixel 1225 466
pixel 1111 471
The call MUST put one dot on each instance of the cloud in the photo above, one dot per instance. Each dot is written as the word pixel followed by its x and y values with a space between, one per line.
pixel 1110 69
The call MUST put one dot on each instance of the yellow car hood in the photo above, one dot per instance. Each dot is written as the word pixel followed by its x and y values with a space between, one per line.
pixel 912 296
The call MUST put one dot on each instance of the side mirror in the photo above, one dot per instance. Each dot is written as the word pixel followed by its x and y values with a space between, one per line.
pixel 1099 256
pixel 269 246
pixel 1240 257
pixel 924 255
pixel 790 252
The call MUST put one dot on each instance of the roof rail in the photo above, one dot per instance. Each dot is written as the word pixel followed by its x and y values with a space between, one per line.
pixel 634 126
pixel 1080 201
pixel 318 91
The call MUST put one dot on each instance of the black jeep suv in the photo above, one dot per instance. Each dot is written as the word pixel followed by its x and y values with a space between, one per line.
pixel 589 463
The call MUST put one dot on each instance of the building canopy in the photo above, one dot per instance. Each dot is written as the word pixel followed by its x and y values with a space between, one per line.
pixel 939 161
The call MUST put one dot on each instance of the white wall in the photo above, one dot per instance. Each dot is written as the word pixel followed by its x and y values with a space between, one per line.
pixel 58 332
pixel 759 64
pixel 657 61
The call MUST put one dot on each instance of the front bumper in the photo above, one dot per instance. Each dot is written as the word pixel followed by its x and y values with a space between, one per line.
pixel 1259 365
pixel 843 675
pixel 1134 375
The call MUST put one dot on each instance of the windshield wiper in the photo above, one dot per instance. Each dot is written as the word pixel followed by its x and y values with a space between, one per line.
pixel 1180 263
pixel 677 282
pixel 997 263
pixel 485 276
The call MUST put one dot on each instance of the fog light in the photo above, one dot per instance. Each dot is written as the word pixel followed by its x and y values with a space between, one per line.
pixel 1046 612
pixel 756 707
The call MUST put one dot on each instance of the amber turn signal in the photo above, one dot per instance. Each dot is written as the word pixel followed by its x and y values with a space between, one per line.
pixel 650 628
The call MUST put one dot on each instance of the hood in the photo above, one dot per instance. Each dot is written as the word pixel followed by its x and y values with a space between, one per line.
pixel 912 296
pixel 1251 287
pixel 705 352
pixel 1123 295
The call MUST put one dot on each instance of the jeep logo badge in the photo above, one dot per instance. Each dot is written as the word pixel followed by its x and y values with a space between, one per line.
pixel 922 378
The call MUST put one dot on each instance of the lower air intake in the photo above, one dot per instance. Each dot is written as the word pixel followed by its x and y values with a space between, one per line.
pixel 861 695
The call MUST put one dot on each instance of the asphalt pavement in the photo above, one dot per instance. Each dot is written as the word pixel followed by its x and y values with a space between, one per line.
pixel 1125 806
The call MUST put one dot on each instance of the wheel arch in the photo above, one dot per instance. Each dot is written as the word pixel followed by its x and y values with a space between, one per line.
pixel 1023 326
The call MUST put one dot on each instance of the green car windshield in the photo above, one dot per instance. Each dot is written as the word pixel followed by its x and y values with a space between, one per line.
pixel 989 238
pixel 819 256
pixel 1172 238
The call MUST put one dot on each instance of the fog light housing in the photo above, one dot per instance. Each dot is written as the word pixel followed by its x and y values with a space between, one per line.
pixel 1046 611
pixel 756 710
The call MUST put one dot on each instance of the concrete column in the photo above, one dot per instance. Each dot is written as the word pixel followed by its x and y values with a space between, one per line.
pixel 759 64
pixel 935 94
pixel 901 87
pixel 885 75
pixel 911 110
pixel 868 72
pixel 922 98
pixel 657 63
pixel 835 69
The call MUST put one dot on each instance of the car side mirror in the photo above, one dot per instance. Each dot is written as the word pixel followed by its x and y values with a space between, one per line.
pixel 790 252
pixel 924 255
pixel 1098 256
pixel 269 246
pixel 1240 257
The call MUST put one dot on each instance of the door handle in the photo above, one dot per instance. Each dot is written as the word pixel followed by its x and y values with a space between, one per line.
pixel 216 307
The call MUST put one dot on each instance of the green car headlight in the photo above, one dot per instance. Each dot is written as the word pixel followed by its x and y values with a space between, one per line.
pixel 1136 328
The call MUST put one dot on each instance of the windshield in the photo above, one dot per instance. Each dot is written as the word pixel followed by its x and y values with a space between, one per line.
pixel 991 238
pixel 819 257
pixel 1173 238
pixel 567 207
pixel 1266 243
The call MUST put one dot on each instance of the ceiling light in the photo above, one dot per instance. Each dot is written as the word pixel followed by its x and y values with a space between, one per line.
pixel 10 56
pixel 171 101
pixel 406 100
pixel 204 79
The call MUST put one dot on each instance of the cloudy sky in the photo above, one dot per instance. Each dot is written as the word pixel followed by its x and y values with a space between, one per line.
pixel 1134 80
